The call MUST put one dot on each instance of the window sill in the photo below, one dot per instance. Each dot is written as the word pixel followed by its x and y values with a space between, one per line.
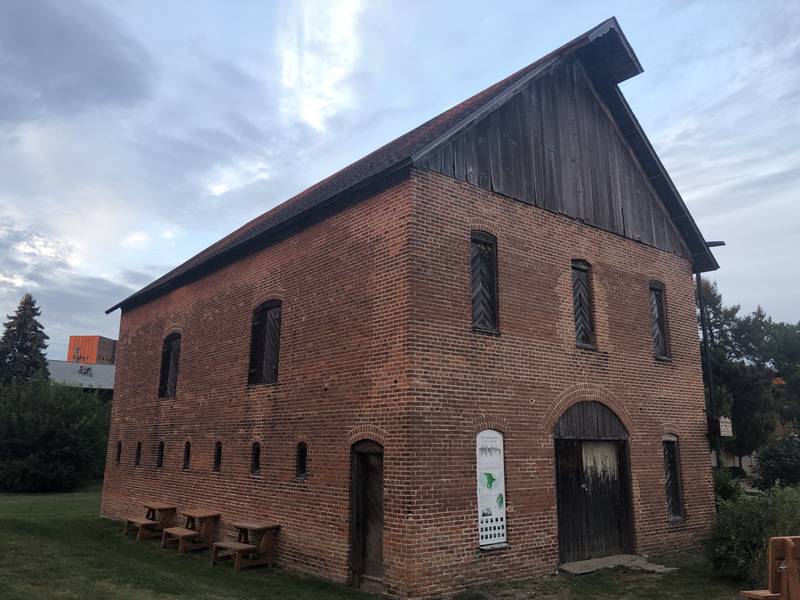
pixel 675 521
pixel 662 358
pixel 492 332
pixel 490 547
pixel 582 346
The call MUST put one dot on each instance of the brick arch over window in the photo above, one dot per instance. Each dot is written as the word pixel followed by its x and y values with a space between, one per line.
pixel 586 392
pixel 485 225
pixel 366 432
pixel 483 423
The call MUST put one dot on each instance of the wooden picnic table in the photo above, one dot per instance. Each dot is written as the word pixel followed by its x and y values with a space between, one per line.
pixel 158 515
pixel 190 537
pixel 243 553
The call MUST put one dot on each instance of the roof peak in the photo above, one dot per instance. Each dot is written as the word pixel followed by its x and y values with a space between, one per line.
pixel 605 49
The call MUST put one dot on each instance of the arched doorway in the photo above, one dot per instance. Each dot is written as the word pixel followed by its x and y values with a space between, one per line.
pixel 366 513
pixel 592 483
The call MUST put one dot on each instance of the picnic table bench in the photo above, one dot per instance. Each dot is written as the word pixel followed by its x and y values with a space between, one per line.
pixel 243 553
pixel 783 571
pixel 190 537
pixel 158 515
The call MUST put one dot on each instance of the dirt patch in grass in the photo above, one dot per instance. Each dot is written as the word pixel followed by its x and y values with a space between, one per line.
pixel 694 580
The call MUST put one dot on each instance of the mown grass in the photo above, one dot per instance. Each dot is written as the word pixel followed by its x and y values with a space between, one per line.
pixel 55 546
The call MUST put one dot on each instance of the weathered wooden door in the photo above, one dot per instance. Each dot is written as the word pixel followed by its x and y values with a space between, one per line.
pixel 592 484
pixel 367 512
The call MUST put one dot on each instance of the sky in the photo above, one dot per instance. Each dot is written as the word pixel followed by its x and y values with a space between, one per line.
pixel 135 133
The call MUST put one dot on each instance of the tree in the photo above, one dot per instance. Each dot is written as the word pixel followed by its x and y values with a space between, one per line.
pixel 52 436
pixel 24 342
pixel 741 365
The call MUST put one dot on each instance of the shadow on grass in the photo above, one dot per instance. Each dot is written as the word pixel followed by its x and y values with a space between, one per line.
pixel 55 546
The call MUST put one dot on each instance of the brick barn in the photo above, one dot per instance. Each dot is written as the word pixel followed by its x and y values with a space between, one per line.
pixel 469 356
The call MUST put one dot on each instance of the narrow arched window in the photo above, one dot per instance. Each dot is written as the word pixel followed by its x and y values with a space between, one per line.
pixel 301 469
pixel 217 456
pixel 255 458
pixel 170 356
pixel 672 476
pixel 582 303
pixel 483 281
pixel 118 457
pixel 658 320
pixel 265 338
pixel 138 457
pixel 187 454
pixel 160 455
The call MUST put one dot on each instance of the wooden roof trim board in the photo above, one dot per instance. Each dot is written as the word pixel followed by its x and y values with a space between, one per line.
pixel 606 54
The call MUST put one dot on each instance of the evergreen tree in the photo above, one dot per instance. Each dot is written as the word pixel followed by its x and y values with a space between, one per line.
pixel 24 342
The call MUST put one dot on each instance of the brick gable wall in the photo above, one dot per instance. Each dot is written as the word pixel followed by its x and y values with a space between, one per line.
pixel 522 380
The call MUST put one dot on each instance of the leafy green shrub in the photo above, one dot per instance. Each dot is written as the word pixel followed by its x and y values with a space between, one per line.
pixel 737 545
pixel 725 485
pixel 52 437
pixel 779 463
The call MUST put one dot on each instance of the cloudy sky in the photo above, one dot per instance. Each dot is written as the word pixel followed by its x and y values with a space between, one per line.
pixel 135 133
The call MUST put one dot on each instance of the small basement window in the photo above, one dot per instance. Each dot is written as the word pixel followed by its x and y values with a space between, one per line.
pixel 187 454
pixel 302 460
pixel 255 458
pixel 217 456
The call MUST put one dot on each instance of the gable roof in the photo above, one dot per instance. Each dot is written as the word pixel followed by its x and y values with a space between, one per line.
pixel 608 58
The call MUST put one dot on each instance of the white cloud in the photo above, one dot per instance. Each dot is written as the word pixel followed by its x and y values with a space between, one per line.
pixel 227 178
pixel 15 281
pixel 318 50
pixel 170 233
pixel 136 239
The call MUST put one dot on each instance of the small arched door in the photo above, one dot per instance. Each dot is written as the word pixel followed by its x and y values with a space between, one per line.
pixel 366 512
pixel 592 483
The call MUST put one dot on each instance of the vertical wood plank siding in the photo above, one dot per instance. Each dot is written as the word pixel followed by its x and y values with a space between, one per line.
pixel 554 145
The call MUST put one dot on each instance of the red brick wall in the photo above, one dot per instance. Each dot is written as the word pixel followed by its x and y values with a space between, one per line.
pixel 521 381
pixel 376 343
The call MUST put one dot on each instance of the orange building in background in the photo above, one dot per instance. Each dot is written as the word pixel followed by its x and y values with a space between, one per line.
pixel 92 349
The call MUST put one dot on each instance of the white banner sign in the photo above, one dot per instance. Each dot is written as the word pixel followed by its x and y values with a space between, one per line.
pixel 491 487
pixel 725 427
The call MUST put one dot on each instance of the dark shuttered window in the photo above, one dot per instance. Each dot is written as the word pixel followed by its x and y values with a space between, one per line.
pixel 118 457
pixel 658 320
pixel 255 458
pixel 672 477
pixel 217 456
pixel 170 356
pixel 582 303
pixel 301 465
pixel 160 455
pixel 265 343
pixel 483 281
pixel 187 454
pixel 138 457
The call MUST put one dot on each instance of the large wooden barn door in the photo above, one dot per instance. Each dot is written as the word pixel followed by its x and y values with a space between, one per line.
pixel 367 512
pixel 592 484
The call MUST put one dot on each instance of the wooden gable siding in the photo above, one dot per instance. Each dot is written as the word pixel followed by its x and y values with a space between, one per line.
pixel 553 145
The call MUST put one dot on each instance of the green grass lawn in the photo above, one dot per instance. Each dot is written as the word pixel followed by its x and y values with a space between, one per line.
pixel 55 546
